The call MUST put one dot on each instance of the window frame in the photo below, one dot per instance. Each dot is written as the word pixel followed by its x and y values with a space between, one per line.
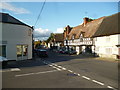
pixel 5 50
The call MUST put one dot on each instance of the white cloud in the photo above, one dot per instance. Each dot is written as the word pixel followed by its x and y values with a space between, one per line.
pixel 16 10
pixel 41 34
pixel 59 30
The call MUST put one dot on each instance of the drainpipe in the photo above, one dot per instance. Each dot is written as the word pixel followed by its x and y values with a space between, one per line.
pixel 32 43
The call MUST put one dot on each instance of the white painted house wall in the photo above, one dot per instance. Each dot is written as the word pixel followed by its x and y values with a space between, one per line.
pixel 15 35
pixel 106 46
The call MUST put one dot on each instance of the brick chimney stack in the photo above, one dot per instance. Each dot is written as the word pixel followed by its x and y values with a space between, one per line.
pixel 85 20
pixel 67 31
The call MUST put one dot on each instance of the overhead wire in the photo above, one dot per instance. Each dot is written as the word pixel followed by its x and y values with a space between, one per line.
pixel 40 13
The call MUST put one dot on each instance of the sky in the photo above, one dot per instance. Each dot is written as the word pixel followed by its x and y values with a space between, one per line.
pixel 56 15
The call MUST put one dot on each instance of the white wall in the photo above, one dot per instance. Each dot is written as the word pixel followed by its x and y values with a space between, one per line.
pixel 106 45
pixel 16 35
pixel 78 49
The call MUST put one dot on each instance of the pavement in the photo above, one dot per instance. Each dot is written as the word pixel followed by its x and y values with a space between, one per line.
pixel 62 71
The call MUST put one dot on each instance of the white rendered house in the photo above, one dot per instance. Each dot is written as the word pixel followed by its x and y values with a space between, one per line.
pixel 107 38
pixel 15 38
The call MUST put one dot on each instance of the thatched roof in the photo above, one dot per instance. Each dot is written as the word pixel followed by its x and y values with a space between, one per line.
pixel 89 29
pixel 109 26
pixel 58 37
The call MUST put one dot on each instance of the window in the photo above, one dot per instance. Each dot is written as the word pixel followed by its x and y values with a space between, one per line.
pixel 95 39
pixel 97 49
pixel 25 47
pixel 81 37
pixel 66 38
pixel 3 50
pixel 108 50
pixel 19 50
pixel 73 37
pixel 22 50
pixel 107 39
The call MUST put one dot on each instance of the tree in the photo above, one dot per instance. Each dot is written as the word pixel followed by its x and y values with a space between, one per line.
pixel 37 44
pixel 50 38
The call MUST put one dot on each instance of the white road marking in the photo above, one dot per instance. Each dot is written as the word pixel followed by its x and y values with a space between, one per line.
pixel 60 66
pixel 70 71
pixel 53 67
pixel 86 77
pixel 24 74
pixel 11 70
pixel 98 82
pixel 54 64
pixel 4 70
pixel 64 68
pixel 58 69
pixel 75 73
pixel 111 87
pixel 46 72
pixel 50 65
pixel 15 69
pixel 35 73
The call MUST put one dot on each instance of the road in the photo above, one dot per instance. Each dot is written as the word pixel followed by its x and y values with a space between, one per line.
pixel 62 71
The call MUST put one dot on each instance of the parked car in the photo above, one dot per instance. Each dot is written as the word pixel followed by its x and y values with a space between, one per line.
pixel 72 52
pixel 42 53
pixel 66 52
pixel 61 51
pixel 3 61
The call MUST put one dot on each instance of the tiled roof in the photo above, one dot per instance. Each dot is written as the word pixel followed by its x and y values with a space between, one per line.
pixel 6 18
pixel 109 26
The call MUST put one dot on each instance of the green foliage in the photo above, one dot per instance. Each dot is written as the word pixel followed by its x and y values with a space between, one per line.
pixel 50 38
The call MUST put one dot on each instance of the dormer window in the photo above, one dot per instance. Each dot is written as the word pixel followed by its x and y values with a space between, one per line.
pixel 81 37
pixel 73 37
pixel 66 38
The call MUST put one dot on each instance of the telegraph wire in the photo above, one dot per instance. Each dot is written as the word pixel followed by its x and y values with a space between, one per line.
pixel 40 13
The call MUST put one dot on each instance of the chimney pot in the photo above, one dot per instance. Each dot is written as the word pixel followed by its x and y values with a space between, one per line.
pixel 85 20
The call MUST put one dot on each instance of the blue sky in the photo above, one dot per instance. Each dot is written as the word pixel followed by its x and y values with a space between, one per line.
pixel 56 15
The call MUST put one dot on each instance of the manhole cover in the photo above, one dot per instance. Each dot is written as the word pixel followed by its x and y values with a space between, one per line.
pixel 71 74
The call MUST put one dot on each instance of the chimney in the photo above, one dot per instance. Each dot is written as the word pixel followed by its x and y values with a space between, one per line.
pixel 85 20
pixel 68 29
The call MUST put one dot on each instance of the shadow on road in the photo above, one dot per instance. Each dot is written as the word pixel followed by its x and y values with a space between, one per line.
pixel 53 57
